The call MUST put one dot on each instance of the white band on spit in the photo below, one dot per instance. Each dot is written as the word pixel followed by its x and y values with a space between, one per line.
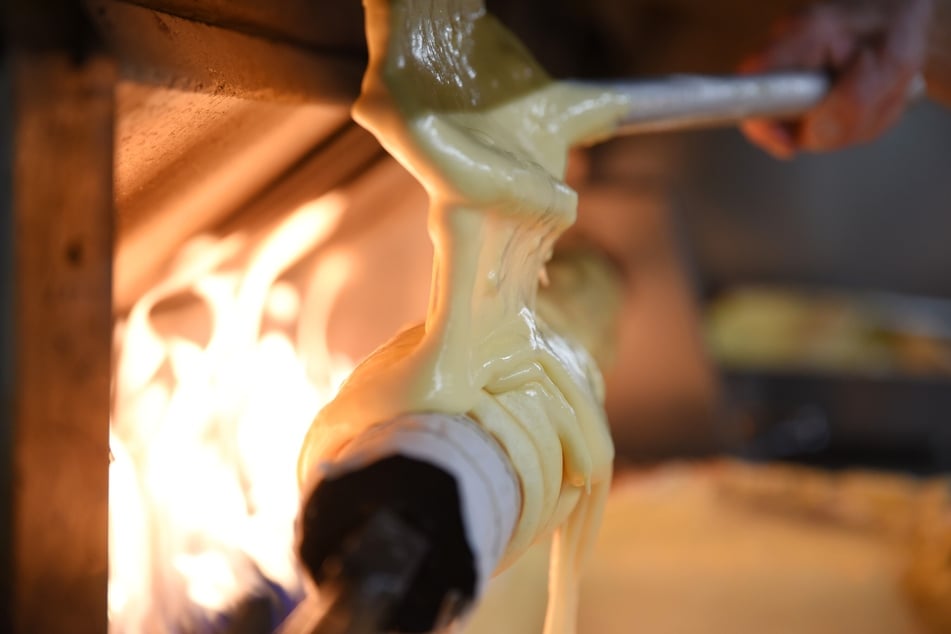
pixel 489 491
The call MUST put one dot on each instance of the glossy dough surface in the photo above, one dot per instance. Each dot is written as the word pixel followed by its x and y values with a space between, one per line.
pixel 462 105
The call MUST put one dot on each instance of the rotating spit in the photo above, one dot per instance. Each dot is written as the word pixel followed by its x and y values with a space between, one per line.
pixel 404 528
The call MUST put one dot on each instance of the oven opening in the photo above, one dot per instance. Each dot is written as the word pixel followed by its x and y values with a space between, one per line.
pixel 273 247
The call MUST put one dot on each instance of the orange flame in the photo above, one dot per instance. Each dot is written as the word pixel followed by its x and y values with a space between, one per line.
pixel 205 436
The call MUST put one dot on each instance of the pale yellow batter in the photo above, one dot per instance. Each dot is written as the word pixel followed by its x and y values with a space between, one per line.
pixel 461 104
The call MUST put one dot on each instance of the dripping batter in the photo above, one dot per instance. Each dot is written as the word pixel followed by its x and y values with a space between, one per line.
pixel 456 98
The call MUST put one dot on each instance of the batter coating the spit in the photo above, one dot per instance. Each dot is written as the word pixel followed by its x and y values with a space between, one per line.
pixel 456 99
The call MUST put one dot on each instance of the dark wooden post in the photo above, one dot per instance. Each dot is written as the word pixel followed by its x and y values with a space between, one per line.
pixel 55 313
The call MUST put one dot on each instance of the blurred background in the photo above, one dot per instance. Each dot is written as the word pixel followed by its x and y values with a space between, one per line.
pixel 820 287
pixel 792 310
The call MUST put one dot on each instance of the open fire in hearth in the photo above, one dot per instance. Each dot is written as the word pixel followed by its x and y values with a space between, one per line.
pixel 212 395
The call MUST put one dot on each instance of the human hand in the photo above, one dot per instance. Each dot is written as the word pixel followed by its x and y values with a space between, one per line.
pixel 873 49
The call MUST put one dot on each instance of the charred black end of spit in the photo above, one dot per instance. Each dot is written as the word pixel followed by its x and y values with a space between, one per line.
pixel 396 522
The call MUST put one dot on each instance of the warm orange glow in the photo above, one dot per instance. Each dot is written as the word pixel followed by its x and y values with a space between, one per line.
pixel 206 428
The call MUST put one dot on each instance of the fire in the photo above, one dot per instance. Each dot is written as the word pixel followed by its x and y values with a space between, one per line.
pixel 207 425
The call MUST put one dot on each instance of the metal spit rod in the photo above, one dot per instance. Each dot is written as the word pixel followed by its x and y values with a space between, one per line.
pixel 683 102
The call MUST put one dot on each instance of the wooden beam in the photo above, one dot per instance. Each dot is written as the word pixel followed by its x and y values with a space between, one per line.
pixel 7 353
pixel 334 26
pixel 159 48
pixel 56 226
